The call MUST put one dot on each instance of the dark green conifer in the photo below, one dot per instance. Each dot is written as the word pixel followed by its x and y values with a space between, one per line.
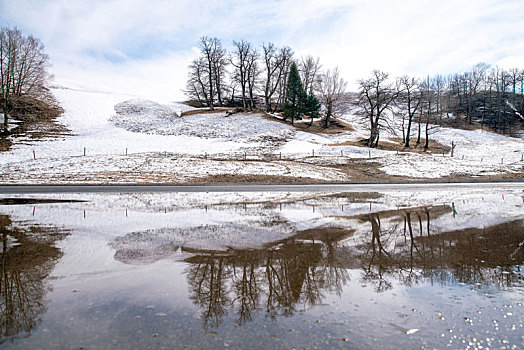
pixel 312 106
pixel 295 95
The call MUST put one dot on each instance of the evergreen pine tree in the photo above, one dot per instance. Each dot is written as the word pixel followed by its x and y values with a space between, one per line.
pixel 312 106
pixel 295 95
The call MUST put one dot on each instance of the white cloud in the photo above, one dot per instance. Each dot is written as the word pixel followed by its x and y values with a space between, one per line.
pixel 146 45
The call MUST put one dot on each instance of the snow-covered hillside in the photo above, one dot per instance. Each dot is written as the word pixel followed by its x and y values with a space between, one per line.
pixel 122 138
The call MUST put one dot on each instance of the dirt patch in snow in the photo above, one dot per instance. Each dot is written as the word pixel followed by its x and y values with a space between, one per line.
pixel 397 145
pixel 5 144
pixel 365 170
pixel 206 111
pixel 337 126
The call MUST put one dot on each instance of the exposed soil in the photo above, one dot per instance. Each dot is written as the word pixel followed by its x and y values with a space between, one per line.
pixel 5 144
pixel 206 111
pixel 317 127
pixel 365 170
pixel 397 145
pixel 519 175
pixel 35 120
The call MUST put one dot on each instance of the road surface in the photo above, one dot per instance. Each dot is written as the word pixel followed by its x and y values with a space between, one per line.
pixel 265 187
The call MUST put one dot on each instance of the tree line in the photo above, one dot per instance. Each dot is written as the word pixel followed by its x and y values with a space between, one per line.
pixel 273 79
pixel 270 78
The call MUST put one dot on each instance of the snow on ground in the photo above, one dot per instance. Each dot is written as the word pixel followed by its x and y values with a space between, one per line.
pixel 151 118
pixel 152 167
pixel 477 152
pixel 122 138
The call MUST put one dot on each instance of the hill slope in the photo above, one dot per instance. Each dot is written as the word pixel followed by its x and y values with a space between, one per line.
pixel 119 138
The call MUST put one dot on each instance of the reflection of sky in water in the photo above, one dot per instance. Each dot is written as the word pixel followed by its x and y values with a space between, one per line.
pixel 332 269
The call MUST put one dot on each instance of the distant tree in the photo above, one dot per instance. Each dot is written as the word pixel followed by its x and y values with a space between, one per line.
pixel 409 101
pixel 196 87
pixel 252 76
pixel 309 69
pixel 220 63
pixel 275 64
pixel 208 47
pixel 375 98
pixel 331 88
pixel 206 77
pixel 438 84
pixel 241 59
pixel 295 95
pixel 23 69
pixel 287 59
pixel 427 110
pixel 312 106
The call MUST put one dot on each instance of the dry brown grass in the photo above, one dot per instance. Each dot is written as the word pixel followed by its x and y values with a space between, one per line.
pixel 206 111
pixel 397 145
pixel 365 170
pixel 316 128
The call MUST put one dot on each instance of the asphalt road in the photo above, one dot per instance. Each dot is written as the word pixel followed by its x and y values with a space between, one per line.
pixel 266 187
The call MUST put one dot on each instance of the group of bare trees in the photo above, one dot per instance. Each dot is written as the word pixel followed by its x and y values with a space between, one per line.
pixel 253 79
pixel 491 97
pixel 23 69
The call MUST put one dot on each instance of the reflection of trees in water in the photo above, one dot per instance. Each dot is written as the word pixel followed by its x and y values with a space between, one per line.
pixel 407 250
pixel 23 270
pixel 274 280
pixel 297 272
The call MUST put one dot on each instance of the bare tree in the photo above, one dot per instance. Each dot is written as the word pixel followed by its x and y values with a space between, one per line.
pixel 23 68
pixel 220 63
pixel 286 55
pixel 274 65
pixel 309 69
pixel 196 87
pixel 208 47
pixel 438 84
pixel 253 73
pixel 215 58
pixel 375 97
pixel 331 90
pixel 428 98
pixel 240 60
pixel 409 101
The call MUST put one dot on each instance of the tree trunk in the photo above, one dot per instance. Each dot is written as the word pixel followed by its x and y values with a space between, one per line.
pixel 419 129
pixel 6 117
pixel 373 136
pixel 408 131
pixel 328 117
pixel 426 144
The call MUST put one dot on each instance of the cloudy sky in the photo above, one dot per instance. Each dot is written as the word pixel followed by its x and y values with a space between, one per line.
pixel 144 47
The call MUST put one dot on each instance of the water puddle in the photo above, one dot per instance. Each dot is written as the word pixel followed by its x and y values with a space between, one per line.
pixel 429 269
